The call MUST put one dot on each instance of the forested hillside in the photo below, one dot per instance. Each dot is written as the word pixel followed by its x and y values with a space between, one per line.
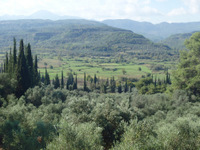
pixel 74 36
pixel 177 41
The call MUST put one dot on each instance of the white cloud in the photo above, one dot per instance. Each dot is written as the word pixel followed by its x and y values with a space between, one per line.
pixel 193 6
pixel 140 10
pixel 161 0
pixel 177 12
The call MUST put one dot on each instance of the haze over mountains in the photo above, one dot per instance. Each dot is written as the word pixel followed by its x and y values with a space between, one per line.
pixel 164 32
pixel 74 35
pixel 155 32
pixel 43 14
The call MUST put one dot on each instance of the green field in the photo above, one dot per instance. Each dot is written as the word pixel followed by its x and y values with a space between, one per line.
pixel 92 66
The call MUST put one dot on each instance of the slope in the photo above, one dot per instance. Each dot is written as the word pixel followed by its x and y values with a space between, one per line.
pixel 177 41
pixel 155 32
pixel 75 36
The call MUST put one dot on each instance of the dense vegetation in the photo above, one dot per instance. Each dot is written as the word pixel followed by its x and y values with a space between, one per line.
pixel 108 114
pixel 177 41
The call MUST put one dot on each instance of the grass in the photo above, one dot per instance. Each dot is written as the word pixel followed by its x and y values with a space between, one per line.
pixel 91 67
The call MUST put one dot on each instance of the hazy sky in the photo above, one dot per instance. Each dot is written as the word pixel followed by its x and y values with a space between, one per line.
pixel 141 10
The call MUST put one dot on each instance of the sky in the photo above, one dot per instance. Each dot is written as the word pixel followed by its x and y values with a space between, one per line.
pixel 154 11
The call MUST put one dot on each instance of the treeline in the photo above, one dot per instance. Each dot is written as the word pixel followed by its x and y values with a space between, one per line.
pixel 22 68
pixel 146 85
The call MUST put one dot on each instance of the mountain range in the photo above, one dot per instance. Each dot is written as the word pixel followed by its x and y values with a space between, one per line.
pixel 155 32
pixel 81 36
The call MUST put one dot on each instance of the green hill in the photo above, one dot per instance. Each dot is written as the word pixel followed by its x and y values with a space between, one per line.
pixel 68 36
pixel 177 41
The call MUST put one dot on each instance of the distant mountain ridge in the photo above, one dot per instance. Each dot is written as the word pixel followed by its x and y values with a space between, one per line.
pixel 155 32
pixel 75 36
pixel 42 14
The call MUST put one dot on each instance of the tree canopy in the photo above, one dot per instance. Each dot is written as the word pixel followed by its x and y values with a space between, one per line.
pixel 187 75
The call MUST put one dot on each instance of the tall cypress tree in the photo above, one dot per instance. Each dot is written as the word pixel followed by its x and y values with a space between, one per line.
pixel 85 83
pixel 70 80
pixel 10 64
pixel 62 81
pixel 112 85
pixel 126 87
pixel 6 64
pixel 29 63
pixel 36 75
pixel 56 82
pixel 14 54
pixel 119 88
pixel 22 72
pixel 46 78
pixel 95 79
pixel 76 83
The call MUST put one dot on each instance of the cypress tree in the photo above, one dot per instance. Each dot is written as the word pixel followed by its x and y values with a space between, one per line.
pixel 112 85
pixel 36 76
pixel 62 80
pixel 56 82
pixel 46 78
pixel 75 84
pixel 70 80
pixel 10 64
pixel 95 79
pixel 155 82
pixel 22 72
pixel 42 79
pixel 119 88
pixel 126 87
pixel 29 63
pixel 14 54
pixel 1 69
pixel 85 83
pixel 6 64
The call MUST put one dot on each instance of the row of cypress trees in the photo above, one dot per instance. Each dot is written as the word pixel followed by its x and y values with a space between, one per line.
pixel 23 67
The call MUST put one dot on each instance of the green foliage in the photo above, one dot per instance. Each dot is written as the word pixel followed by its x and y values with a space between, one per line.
pixel 29 64
pixel 85 120
pixel 21 68
pixel 7 85
pixel 21 138
pixel 49 118
pixel 137 136
pixel 22 72
pixel 85 88
pixel 85 136
pixel 46 78
pixel 70 81
pixel 56 82
pixel 62 81
pixel 187 74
